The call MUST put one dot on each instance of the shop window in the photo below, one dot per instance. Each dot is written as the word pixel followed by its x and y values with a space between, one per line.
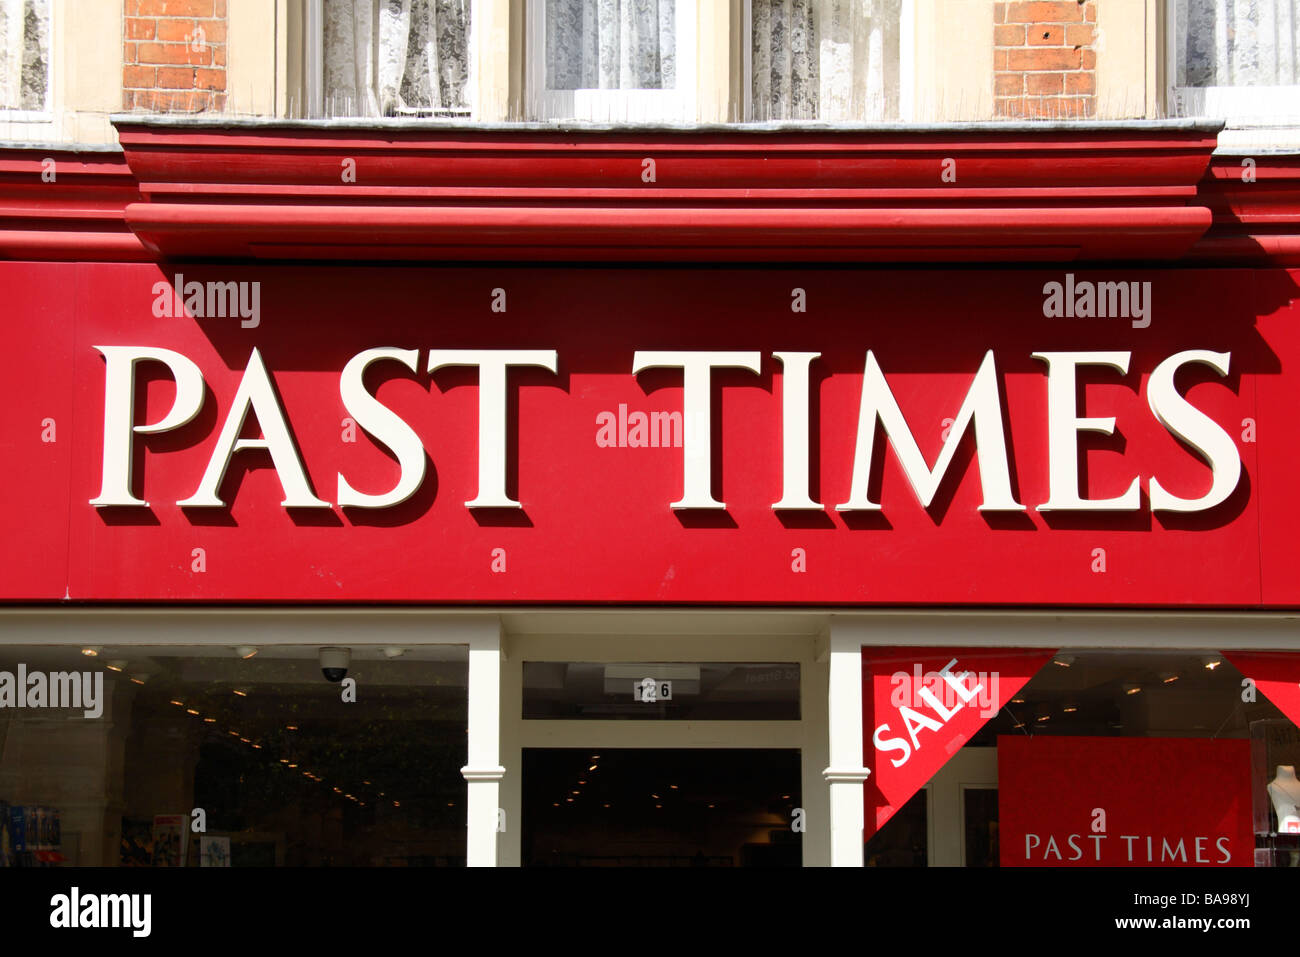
pixel 612 60
pixel 1109 758
pixel 1236 59
pixel 390 57
pixel 828 60
pixel 714 691
pixel 24 57
pixel 175 756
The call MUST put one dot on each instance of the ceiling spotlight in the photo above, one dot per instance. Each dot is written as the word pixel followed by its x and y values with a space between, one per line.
pixel 193 711
pixel 1040 718
pixel 1017 700
pixel 1070 708
pixel 1211 662
pixel 115 665
pixel 394 652
pixel 1168 677
pixel 242 692
pixel 291 727
pixel 246 651
pixel 139 679
pixel 209 720
pixel 1063 660
pixel 179 704
pixel 92 651
pixel 1131 688
pixel 592 768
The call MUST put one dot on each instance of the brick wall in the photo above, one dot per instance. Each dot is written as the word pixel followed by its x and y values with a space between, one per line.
pixel 1044 62
pixel 174 58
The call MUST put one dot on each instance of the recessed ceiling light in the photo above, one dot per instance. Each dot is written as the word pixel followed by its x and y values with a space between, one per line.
pixel 92 651
pixel 246 651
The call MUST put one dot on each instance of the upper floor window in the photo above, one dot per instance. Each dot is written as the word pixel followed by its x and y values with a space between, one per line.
pixel 394 58
pixel 829 60
pixel 25 55
pixel 1237 59
pixel 612 60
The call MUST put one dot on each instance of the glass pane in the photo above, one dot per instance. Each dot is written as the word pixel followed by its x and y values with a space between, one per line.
pixel 904 840
pixel 611 45
pixel 106 760
pixel 24 54
pixel 980 807
pixel 713 691
pixel 396 59
pixel 662 808
pixel 834 60
pixel 1237 42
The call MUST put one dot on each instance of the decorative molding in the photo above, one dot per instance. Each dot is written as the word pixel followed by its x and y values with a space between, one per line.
pixel 846 775
pixel 967 193
pixel 483 774
pixel 1026 193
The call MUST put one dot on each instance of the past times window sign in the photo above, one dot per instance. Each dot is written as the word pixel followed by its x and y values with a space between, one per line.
pixel 1124 802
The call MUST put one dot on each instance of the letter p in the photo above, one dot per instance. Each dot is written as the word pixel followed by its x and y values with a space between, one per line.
pixel 119 413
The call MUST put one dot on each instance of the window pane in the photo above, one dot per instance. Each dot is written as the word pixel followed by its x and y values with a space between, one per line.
pixel 824 59
pixel 611 44
pixel 24 54
pixel 712 692
pixel 103 760
pixel 389 57
pixel 1237 42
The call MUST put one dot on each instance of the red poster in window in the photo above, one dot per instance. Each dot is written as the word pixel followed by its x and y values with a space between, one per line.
pixel 1276 675
pixel 920 706
pixel 1124 802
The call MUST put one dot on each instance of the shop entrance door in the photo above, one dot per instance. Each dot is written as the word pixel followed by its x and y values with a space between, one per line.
pixel 647 807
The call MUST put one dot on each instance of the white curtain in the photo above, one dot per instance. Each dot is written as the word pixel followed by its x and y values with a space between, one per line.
pixel 611 44
pixel 832 60
pixel 24 54
pixel 391 57
pixel 1237 42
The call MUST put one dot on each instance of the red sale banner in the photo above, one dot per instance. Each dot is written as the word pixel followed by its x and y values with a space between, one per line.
pixel 1124 802
pixel 1275 675
pixel 920 706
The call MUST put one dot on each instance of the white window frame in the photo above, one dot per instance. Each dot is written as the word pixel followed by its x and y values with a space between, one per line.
pixel 616 106
pixel 906 61
pixel 1240 106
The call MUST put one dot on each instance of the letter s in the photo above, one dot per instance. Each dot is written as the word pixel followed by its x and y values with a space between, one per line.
pixel 1197 429
pixel 892 744
pixel 1227 854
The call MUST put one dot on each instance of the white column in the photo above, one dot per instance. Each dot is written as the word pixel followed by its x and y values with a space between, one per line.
pixel 815 753
pixel 484 771
pixel 846 773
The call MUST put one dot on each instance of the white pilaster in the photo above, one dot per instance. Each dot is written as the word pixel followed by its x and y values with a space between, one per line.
pixel 484 771
pixel 846 773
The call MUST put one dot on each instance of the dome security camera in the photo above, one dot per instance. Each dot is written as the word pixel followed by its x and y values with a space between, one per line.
pixel 334 663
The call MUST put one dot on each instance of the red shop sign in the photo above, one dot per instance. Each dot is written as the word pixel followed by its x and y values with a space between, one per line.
pixel 1124 802
pixel 776 436
pixel 921 706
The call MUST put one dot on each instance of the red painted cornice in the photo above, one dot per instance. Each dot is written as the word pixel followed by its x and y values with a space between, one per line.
pixel 1256 206
pixel 277 191
pixel 67 205
pixel 1012 193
